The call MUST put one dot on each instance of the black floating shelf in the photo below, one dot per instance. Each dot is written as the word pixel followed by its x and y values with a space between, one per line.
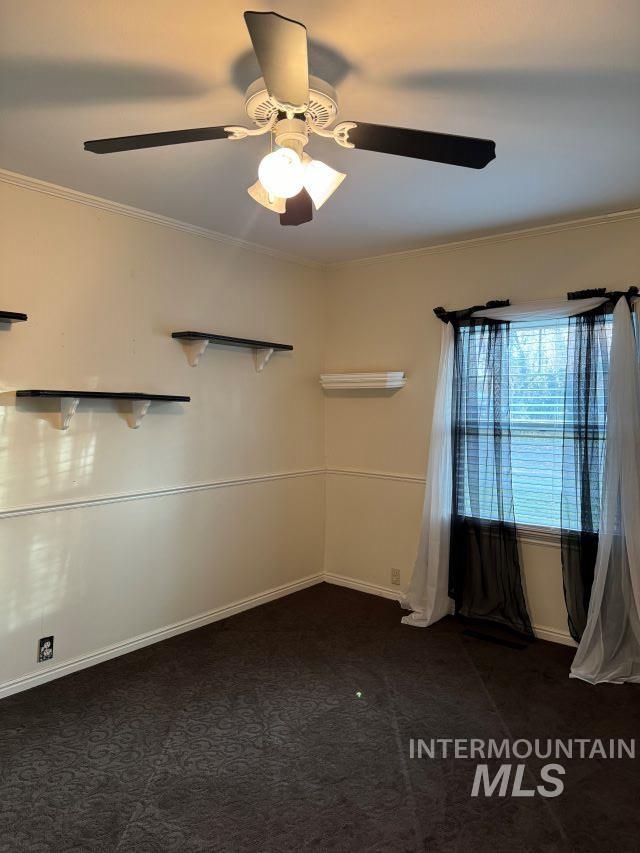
pixel 12 317
pixel 229 341
pixel 69 401
pixel 198 342
pixel 105 395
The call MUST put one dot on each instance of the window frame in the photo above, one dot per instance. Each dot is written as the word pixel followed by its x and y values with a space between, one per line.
pixel 549 535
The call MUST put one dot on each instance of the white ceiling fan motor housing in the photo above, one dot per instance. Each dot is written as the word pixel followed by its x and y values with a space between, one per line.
pixel 291 133
pixel 322 109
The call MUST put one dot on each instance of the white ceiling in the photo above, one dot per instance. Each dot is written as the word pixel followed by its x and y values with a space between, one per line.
pixel 554 82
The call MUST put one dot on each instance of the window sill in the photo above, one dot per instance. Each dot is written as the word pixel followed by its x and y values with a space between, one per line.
pixel 531 533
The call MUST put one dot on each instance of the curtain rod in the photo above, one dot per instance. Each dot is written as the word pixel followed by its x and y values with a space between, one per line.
pixel 464 313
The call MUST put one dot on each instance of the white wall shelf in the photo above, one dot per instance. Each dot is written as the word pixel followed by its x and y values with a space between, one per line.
pixel 352 381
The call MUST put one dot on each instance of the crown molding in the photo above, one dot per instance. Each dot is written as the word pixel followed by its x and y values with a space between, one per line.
pixel 36 185
pixel 490 239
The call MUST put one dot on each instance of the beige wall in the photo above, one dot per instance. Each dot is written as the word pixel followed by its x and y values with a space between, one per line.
pixel 103 292
pixel 113 537
pixel 380 318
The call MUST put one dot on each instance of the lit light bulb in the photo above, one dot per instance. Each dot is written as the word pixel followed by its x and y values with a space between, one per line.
pixel 281 173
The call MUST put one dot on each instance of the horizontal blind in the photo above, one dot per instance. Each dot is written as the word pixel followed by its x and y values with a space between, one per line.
pixel 535 414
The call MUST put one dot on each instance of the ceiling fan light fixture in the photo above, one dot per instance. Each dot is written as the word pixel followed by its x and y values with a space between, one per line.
pixel 281 173
pixel 321 181
pixel 259 194
pixel 289 104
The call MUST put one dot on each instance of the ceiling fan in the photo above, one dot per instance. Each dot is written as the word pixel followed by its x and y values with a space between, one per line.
pixel 290 104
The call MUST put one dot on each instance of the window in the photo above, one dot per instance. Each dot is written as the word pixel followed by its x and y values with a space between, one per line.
pixel 537 358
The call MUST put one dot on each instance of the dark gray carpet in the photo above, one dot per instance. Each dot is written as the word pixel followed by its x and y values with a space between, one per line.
pixel 248 735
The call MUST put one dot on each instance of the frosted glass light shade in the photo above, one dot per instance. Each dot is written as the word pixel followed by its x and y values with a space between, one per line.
pixel 259 194
pixel 281 173
pixel 321 181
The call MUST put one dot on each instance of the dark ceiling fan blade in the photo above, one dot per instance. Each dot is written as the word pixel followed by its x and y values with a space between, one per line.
pixel 154 140
pixel 424 145
pixel 299 209
pixel 280 45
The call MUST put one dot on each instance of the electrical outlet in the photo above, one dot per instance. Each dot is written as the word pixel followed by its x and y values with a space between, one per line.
pixel 45 649
pixel 395 577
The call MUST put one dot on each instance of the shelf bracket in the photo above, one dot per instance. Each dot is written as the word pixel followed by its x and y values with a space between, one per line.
pixel 68 406
pixel 139 409
pixel 261 357
pixel 195 349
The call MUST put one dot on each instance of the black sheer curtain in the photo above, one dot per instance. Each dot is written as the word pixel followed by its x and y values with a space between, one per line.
pixel 484 567
pixel 583 448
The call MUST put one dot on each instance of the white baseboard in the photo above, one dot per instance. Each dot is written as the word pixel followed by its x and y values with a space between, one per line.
pixel 554 636
pixel 57 671
pixel 34 679
pixel 541 631
pixel 363 586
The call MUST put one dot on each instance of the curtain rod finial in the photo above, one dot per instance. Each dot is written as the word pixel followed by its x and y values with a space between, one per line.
pixel 441 313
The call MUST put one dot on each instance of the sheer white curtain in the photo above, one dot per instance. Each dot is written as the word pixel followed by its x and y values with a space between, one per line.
pixel 610 646
pixel 427 595
pixel 545 309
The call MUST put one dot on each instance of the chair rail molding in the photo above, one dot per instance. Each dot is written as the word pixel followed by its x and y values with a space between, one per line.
pixel 60 506
pixel 533 534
